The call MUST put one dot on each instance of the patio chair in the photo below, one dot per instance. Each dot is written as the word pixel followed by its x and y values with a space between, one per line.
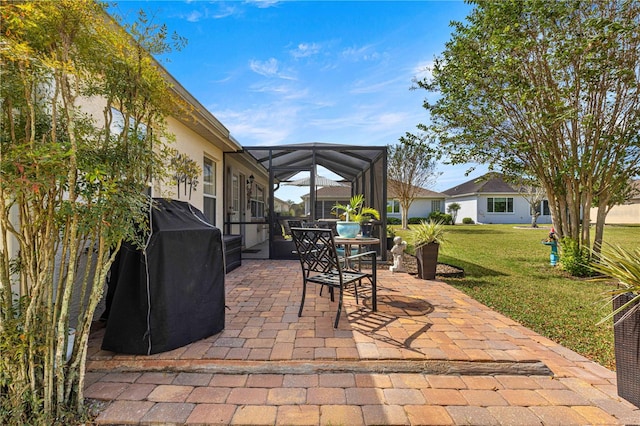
pixel 321 265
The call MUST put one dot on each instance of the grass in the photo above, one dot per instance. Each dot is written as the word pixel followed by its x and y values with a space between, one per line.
pixel 507 269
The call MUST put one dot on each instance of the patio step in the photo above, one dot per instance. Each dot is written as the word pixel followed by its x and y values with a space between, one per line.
pixel 435 367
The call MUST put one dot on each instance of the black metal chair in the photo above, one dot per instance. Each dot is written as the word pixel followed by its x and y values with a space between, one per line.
pixel 321 265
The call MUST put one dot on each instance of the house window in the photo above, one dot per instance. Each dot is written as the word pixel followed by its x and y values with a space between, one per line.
pixel 324 209
pixel 393 206
pixel 209 189
pixel 500 205
pixel 257 202
pixel 436 206
pixel 118 126
pixel 235 193
pixel 545 208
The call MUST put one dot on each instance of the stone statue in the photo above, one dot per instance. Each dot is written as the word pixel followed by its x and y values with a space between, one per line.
pixel 398 249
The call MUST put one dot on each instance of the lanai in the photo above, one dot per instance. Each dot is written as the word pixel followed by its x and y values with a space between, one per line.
pixel 365 167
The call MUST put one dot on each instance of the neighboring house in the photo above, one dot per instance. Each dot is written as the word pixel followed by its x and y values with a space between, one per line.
pixel 280 206
pixel 425 202
pixel 627 213
pixel 489 199
pixel 326 198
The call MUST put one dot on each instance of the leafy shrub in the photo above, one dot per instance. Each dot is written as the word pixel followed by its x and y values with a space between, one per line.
pixel 428 233
pixel 575 259
pixel 416 220
pixel 394 221
pixel 443 218
pixel 468 221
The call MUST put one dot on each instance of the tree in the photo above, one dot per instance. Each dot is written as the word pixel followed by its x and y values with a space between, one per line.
pixel 532 192
pixel 411 166
pixel 72 186
pixel 548 89
pixel 453 209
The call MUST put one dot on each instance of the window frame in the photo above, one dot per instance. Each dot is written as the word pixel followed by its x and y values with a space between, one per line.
pixel 257 202
pixel 391 206
pixel 209 187
pixel 508 203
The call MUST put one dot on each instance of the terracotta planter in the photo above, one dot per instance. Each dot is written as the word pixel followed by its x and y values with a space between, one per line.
pixel 627 350
pixel 427 257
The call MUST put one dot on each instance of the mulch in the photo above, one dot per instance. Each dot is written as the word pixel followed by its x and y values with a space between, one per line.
pixel 410 264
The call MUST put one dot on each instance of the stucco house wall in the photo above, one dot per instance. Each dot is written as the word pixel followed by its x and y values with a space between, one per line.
pixel 468 207
pixel 624 214
pixel 421 207
pixel 197 148
pixel 188 142
pixel 520 212
pixel 473 195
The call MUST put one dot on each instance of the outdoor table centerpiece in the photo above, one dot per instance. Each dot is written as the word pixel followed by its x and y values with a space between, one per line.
pixel 355 213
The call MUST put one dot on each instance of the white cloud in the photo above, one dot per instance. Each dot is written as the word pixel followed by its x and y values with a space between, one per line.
pixel 362 86
pixel 364 53
pixel 422 70
pixel 225 10
pixel 304 50
pixel 203 13
pixel 263 4
pixel 194 16
pixel 265 125
pixel 391 119
pixel 268 68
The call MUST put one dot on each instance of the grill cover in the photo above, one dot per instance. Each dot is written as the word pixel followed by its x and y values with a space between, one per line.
pixel 172 293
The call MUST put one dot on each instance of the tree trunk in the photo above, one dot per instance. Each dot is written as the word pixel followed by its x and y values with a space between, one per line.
pixel 601 215
pixel 404 214
pixel 534 219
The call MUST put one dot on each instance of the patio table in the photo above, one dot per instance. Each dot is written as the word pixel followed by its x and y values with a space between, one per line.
pixel 356 241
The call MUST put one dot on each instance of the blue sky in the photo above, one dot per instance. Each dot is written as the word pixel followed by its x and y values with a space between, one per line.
pixel 278 73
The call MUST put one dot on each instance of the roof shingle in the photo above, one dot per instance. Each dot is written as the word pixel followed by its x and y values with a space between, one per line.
pixel 487 183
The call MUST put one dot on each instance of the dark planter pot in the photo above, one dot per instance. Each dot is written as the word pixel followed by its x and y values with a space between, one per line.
pixel 389 243
pixel 366 228
pixel 627 350
pixel 427 257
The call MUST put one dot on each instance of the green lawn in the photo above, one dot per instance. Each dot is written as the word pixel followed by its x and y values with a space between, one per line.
pixel 508 269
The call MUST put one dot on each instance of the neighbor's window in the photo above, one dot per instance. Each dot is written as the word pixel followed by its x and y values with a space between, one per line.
pixel 436 205
pixel 209 189
pixel 545 208
pixel 393 206
pixel 500 205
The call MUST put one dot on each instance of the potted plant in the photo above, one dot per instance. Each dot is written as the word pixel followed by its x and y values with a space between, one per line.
pixel 354 214
pixel 365 217
pixel 427 237
pixel 624 266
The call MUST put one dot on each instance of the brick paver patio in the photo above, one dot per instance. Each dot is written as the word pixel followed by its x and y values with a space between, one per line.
pixel 430 355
